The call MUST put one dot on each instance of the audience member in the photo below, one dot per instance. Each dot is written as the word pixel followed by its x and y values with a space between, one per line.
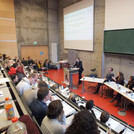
pixel 14 79
pixel 4 56
pixel 35 65
pixel 19 63
pixel 26 83
pixel 15 59
pixel 46 64
pixel 131 83
pixel 39 106
pixel 20 73
pixel 31 93
pixel 40 65
pixel 104 117
pixel 119 80
pixel 6 65
pixel 30 61
pixel 24 62
pixel 109 77
pixel 54 122
pixel 89 106
pixel 1 58
pixel 13 69
pixel 72 97
pixel 83 123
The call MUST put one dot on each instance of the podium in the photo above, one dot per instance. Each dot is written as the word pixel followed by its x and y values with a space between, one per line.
pixel 68 76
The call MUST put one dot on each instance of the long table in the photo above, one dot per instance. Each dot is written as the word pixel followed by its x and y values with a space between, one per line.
pixel 116 87
pixel 127 94
pixel 4 92
pixel 91 79
pixel 121 90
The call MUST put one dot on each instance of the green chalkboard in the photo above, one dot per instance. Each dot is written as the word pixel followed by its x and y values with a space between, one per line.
pixel 119 41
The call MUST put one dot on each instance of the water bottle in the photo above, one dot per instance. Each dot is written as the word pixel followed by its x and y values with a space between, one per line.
pixel 118 85
pixel 62 87
pixel 93 77
pixel 131 94
pixel 109 81
pixel 109 129
pixel 17 127
pixel 9 109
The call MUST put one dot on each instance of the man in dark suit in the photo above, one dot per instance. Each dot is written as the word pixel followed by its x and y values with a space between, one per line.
pixel 109 77
pixel 78 64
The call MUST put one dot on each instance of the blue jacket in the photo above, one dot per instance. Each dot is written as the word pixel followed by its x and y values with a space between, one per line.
pixel 38 109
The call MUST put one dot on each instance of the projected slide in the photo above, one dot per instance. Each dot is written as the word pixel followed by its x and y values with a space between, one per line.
pixel 78 26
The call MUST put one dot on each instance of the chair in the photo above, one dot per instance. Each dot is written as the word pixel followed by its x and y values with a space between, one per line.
pixel 92 74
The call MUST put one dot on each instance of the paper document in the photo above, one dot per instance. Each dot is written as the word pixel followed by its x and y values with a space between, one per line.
pixel 3 80
pixel 113 123
pixel 68 109
pixel 97 113
pixel 1 93
pixel 69 120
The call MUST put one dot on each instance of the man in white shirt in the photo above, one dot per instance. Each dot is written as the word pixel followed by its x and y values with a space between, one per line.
pixel 26 83
pixel 31 93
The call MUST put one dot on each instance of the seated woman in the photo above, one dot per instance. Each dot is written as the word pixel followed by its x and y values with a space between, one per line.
pixel 54 122
pixel 119 80
pixel 131 83
pixel 46 64
pixel 83 123
pixel 40 65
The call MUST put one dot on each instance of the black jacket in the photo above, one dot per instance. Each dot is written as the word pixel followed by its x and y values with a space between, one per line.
pixel 79 65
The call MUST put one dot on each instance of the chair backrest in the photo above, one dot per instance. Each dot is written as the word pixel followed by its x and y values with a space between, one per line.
pixel 27 108
pixel 125 83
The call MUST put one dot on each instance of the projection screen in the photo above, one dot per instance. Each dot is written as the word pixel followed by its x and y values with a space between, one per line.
pixel 78 25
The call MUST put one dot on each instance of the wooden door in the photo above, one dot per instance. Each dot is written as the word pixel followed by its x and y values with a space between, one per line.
pixel 35 52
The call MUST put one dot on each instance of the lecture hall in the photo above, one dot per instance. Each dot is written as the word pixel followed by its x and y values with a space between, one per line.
pixel 66 67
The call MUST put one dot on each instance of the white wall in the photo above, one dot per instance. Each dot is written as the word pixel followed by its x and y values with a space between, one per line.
pixel 119 14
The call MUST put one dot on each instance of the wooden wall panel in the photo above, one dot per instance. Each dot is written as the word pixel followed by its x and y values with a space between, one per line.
pixel 9 48
pixel 7 29
pixel 7 9
pixel 34 52
pixel 8 43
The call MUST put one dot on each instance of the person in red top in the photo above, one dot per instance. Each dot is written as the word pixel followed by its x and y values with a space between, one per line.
pixel 13 69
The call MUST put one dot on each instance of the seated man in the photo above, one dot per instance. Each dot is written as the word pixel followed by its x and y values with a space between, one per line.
pixel 109 77
pixel 104 117
pixel 31 93
pixel 89 106
pixel 26 83
pixel 30 61
pixel 55 121
pixel 24 62
pixel 39 106
pixel 72 97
